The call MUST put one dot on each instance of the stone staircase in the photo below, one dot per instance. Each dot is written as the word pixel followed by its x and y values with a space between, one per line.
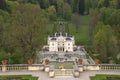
pixel 63 72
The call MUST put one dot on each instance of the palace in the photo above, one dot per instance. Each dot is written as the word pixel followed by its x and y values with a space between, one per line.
pixel 63 42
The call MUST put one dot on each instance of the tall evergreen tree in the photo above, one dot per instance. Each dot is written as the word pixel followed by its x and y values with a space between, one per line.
pixel 3 5
pixel 81 7
pixel 105 43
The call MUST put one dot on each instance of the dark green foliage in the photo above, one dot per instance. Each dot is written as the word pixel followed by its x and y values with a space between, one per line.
pixel 81 7
pixel 105 43
pixel 52 12
pixel 16 57
pixel 25 25
pixel 17 33
pixel 3 5
pixel 23 77
pixel 106 3
pixel 67 13
pixel 3 55
pixel 110 16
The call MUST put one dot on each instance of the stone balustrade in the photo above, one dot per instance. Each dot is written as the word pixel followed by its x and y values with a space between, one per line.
pixel 16 67
pixel 33 67
pixel 77 69
pixel 21 67
pixel 99 67
pixel 109 66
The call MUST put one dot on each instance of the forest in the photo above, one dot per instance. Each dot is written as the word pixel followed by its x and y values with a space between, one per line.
pixel 25 25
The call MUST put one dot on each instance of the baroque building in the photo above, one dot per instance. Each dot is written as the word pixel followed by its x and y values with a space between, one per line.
pixel 60 42
pixel 63 42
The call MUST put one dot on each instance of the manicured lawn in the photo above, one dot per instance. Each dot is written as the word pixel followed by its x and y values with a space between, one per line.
pixel 82 37
pixel 23 77
pixel 104 77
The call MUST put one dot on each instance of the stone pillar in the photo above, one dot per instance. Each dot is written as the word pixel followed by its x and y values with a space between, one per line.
pixel 4 68
pixel 76 74
pixel 85 67
pixel 51 71
pixel 46 68
pixel 80 69
pixel 51 74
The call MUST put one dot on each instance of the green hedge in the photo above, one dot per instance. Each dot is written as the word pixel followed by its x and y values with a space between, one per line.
pixel 103 77
pixel 24 77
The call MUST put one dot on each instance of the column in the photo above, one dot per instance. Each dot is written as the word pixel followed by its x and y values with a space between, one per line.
pixel 51 73
pixel 4 68
pixel 76 74
pixel 47 68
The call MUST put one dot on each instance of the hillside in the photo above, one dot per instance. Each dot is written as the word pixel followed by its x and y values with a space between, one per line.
pixel 26 24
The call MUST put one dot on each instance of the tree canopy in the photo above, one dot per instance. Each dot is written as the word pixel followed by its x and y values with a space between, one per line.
pixel 25 25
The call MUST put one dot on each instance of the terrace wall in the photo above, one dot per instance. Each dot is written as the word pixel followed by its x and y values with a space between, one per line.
pixel 40 67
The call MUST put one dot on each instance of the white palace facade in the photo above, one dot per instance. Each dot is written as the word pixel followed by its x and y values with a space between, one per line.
pixel 62 42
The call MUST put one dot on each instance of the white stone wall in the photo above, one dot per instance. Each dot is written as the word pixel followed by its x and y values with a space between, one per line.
pixel 61 42
pixel 53 46
pixel 68 46
pixel 92 67
pixel 35 68
pixel 51 74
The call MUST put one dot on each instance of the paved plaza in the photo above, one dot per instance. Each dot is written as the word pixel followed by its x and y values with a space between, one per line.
pixel 44 76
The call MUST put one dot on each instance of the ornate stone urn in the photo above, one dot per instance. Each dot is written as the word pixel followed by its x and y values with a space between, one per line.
pixel 4 62
pixel 46 61
pixel 80 61
pixel 30 61
pixel 97 61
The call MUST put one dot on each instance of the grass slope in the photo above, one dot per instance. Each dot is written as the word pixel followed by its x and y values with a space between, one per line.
pixel 81 37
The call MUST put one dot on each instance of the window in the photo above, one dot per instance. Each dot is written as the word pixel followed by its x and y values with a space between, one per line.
pixel 68 47
pixel 52 44
pixel 68 44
